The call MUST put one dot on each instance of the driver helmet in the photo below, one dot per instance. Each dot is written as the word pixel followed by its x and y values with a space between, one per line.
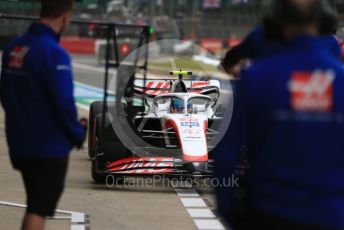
pixel 177 106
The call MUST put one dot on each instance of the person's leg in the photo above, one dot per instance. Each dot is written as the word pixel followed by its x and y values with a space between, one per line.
pixel 44 184
pixel 30 221
pixel 33 222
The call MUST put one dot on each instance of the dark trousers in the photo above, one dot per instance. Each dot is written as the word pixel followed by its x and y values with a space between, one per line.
pixel 44 181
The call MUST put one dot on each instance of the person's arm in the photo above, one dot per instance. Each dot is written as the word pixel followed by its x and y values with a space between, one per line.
pixel 334 45
pixel 228 153
pixel 233 56
pixel 61 87
pixel 245 50
pixel 3 80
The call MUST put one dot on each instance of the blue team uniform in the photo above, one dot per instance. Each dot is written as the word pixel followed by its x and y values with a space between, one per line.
pixel 37 96
pixel 289 111
pixel 255 46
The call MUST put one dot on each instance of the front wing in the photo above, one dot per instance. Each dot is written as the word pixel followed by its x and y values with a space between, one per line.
pixel 168 166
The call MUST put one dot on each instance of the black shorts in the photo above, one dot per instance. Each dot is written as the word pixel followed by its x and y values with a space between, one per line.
pixel 44 181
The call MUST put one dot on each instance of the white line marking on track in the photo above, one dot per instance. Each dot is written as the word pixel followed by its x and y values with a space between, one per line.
pixel 209 225
pixel 200 212
pixel 5 203
pixel 193 202
pixel 78 227
pixel 78 219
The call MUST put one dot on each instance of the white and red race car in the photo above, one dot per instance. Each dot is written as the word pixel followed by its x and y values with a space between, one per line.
pixel 169 125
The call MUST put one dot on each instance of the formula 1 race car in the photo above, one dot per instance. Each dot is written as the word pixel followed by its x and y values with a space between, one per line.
pixel 175 121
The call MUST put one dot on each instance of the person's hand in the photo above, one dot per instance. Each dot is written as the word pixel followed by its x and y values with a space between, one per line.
pixel 235 70
pixel 84 124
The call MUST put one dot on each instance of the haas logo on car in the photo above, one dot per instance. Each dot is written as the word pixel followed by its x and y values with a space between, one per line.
pixel 312 92
pixel 143 165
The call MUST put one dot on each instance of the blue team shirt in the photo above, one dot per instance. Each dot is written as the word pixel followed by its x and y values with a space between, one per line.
pixel 255 46
pixel 36 92
pixel 289 111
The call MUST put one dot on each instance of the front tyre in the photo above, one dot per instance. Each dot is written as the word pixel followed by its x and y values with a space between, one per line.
pixel 97 177
pixel 96 108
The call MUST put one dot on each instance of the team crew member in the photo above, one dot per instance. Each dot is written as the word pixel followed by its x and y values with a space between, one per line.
pixel 258 43
pixel 41 118
pixel 289 111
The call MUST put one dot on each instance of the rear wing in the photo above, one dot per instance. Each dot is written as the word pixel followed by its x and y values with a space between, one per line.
pixel 156 87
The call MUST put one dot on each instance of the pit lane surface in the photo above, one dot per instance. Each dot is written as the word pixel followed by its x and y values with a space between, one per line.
pixel 135 205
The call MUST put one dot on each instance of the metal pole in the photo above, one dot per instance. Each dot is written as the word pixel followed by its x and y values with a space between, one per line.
pixel 115 43
pixel 146 60
pixel 161 8
pixel 194 8
pixel 171 9
pixel 152 9
pixel 106 78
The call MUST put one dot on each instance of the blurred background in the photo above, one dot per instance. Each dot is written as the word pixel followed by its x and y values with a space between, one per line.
pixel 215 25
